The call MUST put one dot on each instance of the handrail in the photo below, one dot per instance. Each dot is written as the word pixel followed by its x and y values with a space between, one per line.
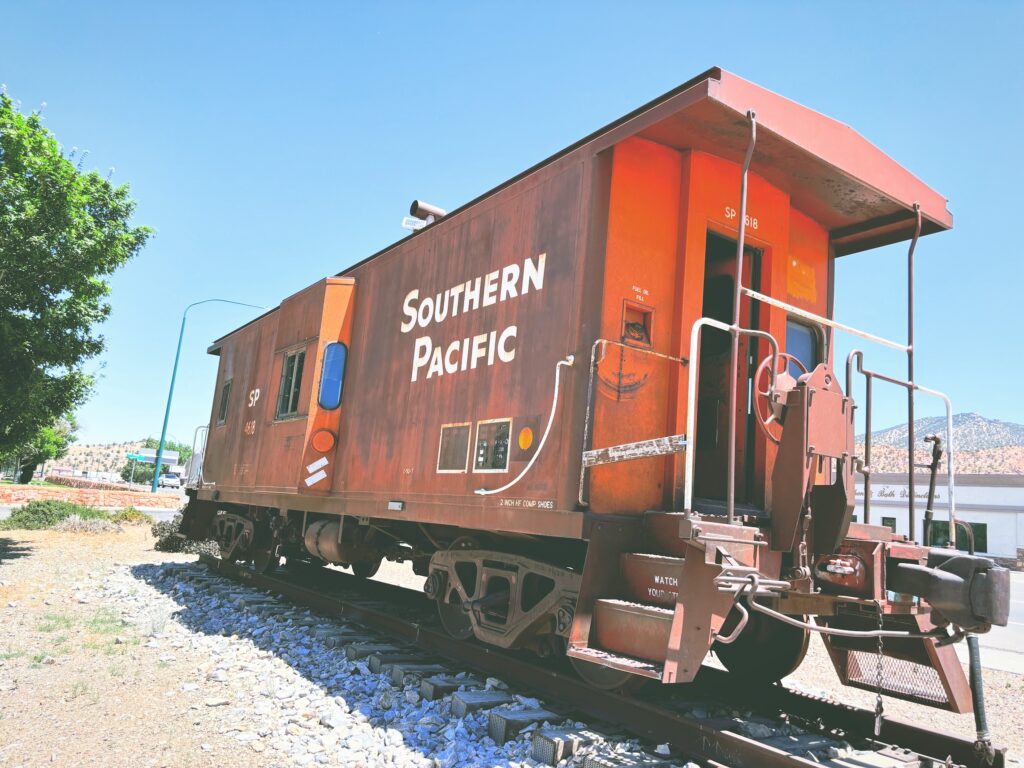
pixel 756 296
pixel 914 387
pixel 568 361
pixel 691 400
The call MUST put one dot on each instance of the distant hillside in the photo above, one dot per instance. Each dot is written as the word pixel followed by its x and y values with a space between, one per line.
pixel 106 457
pixel 983 446
pixel 971 432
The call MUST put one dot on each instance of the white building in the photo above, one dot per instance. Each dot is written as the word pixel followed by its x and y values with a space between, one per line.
pixel 993 505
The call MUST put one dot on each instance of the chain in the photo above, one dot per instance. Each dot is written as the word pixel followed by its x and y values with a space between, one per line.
pixel 878 674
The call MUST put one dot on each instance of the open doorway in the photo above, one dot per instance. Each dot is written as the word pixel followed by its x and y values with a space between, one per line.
pixel 712 438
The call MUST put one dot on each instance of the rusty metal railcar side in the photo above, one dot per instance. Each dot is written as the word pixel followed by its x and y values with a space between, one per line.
pixel 530 380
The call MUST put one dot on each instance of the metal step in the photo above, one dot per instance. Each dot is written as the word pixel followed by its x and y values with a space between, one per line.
pixel 631 629
pixel 672 533
pixel 616 661
pixel 651 579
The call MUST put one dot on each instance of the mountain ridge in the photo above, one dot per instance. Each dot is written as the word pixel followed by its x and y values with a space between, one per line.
pixel 971 432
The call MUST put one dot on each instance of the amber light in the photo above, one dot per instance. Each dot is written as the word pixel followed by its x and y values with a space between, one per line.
pixel 525 438
pixel 323 440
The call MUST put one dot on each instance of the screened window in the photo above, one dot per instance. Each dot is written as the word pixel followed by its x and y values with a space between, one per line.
pixel 332 375
pixel 225 398
pixel 291 380
pixel 803 343
pixel 492 445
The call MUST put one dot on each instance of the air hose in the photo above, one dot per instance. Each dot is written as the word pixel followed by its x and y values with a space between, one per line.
pixel 983 745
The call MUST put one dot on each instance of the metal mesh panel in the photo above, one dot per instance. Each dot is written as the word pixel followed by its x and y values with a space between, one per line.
pixel 900 678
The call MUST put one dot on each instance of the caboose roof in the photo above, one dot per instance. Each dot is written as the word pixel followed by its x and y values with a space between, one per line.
pixel 832 173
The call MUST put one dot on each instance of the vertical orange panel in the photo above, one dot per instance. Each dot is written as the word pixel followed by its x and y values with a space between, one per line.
pixel 640 286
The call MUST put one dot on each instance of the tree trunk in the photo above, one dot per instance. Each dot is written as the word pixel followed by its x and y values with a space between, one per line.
pixel 26 472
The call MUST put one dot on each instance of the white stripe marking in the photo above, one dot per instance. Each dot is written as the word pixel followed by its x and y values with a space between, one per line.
pixel 321 462
pixel 313 479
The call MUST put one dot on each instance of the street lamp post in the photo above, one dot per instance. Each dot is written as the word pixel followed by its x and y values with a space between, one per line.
pixel 174 374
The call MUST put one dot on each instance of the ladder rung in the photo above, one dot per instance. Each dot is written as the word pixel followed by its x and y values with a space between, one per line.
pixel 644 449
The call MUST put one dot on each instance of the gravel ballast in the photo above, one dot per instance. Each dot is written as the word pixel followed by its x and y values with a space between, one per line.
pixel 112 654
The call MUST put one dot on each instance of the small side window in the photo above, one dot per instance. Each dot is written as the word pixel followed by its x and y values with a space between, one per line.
pixel 332 376
pixel 291 380
pixel 453 452
pixel 804 343
pixel 491 454
pixel 225 398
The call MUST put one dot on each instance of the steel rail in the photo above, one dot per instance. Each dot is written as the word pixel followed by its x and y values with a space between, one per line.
pixel 651 720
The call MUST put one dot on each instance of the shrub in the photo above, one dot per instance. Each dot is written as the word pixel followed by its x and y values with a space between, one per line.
pixel 75 524
pixel 40 514
pixel 132 516
pixel 167 540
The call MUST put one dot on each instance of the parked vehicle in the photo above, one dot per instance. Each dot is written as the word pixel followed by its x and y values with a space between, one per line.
pixel 169 481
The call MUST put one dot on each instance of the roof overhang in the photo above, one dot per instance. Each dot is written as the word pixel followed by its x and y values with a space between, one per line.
pixel 862 196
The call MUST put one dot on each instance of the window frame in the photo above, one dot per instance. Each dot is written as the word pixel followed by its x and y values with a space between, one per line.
pixel 295 386
pixel 223 407
pixel 816 333
pixel 341 379
pixel 469 448
pixel 508 453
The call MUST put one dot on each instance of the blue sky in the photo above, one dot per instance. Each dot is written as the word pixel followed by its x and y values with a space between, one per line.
pixel 270 144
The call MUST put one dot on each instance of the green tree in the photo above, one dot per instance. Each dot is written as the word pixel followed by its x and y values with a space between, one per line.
pixel 62 232
pixel 50 443
pixel 143 473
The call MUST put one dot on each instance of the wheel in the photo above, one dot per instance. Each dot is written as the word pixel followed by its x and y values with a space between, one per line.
pixel 606 678
pixel 456 622
pixel 766 651
pixel 265 560
pixel 365 570
pixel 783 383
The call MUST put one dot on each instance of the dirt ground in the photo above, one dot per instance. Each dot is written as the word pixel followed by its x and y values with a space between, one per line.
pixel 77 687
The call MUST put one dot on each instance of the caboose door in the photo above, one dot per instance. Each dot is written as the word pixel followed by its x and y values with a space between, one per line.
pixel 712 438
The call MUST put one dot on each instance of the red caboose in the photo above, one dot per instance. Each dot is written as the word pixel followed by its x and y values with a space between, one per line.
pixel 598 408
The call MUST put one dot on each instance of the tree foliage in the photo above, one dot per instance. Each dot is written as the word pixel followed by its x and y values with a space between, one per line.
pixel 62 232
pixel 49 443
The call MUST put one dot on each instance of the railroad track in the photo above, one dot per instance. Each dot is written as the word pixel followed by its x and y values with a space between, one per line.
pixel 804 730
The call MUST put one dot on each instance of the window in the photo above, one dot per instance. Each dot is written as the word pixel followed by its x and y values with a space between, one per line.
pixel 453 452
pixel 890 523
pixel 802 342
pixel 332 376
pixel 291 380
pixel 940 536
pixel 636 325
pixel 492 445
pixel 225 397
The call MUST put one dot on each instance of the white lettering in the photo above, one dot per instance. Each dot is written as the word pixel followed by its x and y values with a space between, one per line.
pixel 491 288
pixel 478 351
pixel 428 305
pixel 509 277
pixel 410 311
pixel 436 365
pixel 472 295
pixel 451 366
pixel 507 355
pixel 533 273
pixel 420 355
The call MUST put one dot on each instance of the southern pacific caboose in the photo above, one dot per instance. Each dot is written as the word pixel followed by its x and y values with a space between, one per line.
pixel 599 409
